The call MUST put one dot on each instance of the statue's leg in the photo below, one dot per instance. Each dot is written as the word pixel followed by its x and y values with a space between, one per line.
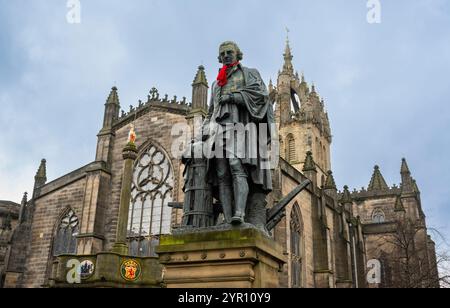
pixel 241 189
pixel 225 188
pixel 257 208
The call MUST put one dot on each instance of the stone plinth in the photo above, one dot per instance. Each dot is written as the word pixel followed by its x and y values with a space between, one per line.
pixel 109 271
pixel 234 258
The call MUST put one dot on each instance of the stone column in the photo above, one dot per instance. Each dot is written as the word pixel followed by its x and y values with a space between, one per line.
pixel 129 156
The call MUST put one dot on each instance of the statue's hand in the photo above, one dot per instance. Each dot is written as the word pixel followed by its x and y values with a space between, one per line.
pixel 226 99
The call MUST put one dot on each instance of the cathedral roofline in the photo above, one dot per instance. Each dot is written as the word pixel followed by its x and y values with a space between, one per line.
pixel 71 177
pixel 154 102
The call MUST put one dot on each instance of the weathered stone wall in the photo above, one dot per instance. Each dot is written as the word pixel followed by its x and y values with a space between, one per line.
pixel 49 209
pixel 365 209
pixel 152 128
pixel 283 233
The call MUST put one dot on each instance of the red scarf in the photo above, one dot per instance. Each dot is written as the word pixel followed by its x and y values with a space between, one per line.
pixel 222 78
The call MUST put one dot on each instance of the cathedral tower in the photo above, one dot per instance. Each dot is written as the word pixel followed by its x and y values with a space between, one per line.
pixel 303 122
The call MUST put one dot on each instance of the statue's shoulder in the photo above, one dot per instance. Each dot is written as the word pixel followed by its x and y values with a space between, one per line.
pixel 251 71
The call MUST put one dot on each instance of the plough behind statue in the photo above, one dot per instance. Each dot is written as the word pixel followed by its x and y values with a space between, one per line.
pixel 200 210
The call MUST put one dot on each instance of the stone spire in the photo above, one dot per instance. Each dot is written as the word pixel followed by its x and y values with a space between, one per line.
pixel 112 109
pixel 329 182
pixel 346 196
pixel 309 169
pixel 309 165
pixel 407 180
pixel 23 207
pixel 200 77
pixel 405 168
pixel 200 92
pixel 377 182
pixel 271 88
pixel 41 175
pixel 347 200
pixel 113 97
pixel 288 68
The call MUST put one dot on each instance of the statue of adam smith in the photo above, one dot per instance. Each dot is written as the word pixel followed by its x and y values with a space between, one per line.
pixel 240 177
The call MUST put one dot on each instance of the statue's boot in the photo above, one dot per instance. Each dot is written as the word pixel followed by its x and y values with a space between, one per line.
pixel 241 190
pixel 226 198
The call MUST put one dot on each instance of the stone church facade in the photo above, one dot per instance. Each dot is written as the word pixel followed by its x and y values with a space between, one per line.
pixel 328 236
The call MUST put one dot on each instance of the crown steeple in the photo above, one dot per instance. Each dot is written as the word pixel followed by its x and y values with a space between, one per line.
pixel 288 68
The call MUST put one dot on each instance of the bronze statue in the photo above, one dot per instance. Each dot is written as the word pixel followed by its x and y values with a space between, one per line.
pixel 230 162
pixel 234 153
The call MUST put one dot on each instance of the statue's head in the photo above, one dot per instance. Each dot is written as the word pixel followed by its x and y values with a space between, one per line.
pixel 229 52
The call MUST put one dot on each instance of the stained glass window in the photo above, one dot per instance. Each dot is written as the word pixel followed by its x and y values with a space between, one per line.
pixel 151 192
pixel 65 241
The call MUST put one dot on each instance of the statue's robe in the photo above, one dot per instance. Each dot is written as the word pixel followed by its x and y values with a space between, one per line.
pixel 256 108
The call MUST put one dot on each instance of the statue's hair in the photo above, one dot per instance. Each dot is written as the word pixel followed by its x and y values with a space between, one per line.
pixel 240 55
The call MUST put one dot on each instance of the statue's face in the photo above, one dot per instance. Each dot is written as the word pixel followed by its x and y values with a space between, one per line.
pixel 228 54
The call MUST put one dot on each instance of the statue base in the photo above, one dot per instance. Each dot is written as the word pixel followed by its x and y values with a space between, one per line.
pixel 105 270
pixel 233 258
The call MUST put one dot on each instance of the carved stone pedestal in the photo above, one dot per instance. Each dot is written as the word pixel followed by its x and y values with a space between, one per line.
pixel 233 258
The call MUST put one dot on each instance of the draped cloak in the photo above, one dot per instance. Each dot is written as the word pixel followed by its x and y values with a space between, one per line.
pixel 251 145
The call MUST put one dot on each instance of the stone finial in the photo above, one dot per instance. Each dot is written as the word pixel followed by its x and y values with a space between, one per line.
pixel 377 182
pixel 329 182
pixel 23 206
pixel 41 174
pixel 200 78
pixel 24 199
pixel 113 97
pixel 154 94
pixel 346 196
pixel 407 180
pixel 271 85
pixel 404 168
pixel 309 165
pixel 287 66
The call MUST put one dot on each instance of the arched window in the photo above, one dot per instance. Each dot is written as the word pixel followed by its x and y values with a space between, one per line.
pixel 291 155
pixel 378 216
pixel 296 247
pixel 152 188
pixel 65 241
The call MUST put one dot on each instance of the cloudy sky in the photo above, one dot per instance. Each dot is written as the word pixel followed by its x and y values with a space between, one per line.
pixel 386 85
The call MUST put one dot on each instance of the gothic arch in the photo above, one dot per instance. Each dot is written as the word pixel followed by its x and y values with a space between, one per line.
pixel 296 255
pixel 153 188
pixel 65 232
pixel 378 216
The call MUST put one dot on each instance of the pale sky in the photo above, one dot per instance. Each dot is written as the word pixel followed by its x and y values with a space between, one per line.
pixel 386 86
